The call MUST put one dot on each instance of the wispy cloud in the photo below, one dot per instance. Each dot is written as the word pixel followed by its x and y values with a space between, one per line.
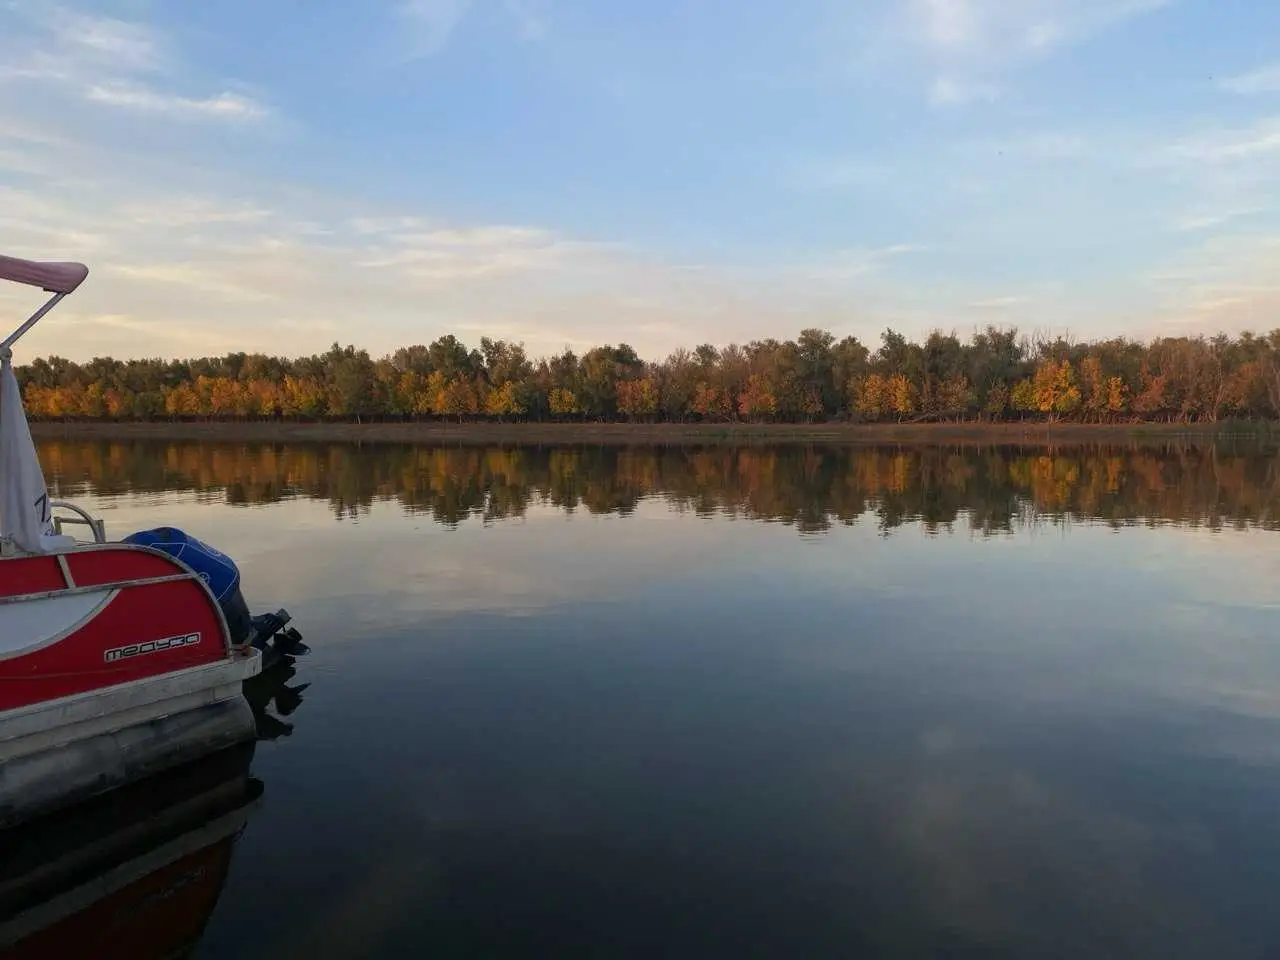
pixel 1016 30
pixel 193 212
pixel 949 24
pixel 453 255
pixel 241 273
pixel 25 131
pixel 835 173
pixel 998 303
pixel 134 96
pixel 1206 219
pixel 1227 145
pixel 531 24
pixel 192 277
pixel 1224 282
pixel 1208 152
pixel 1263 80
pixel 37 65
pixel 852 264
pixel 130 46
pixel 18 161
pixel 111 62
pixel 951 92
pixel 372 225
pixel 429 24
pixel 68 35
pixel 968 45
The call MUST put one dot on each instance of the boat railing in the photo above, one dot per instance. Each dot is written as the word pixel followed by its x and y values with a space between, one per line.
pixel 82 516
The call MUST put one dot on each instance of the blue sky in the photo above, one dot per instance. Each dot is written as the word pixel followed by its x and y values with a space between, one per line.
pixel 266 175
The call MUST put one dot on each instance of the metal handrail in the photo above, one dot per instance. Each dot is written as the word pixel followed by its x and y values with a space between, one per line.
pixel 98 588
pixel 98 527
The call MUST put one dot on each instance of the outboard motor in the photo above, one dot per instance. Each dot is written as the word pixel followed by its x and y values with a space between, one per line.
pixel 216 569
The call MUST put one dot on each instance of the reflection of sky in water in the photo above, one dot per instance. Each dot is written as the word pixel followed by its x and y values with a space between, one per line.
pixel 661 733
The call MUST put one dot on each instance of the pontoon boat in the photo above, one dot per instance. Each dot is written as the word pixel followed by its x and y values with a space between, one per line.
pixel 117 660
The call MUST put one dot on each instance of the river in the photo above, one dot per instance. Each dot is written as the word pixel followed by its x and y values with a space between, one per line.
pixel 767 701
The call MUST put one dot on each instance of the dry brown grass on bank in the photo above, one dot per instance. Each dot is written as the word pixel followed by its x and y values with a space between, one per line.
pixel 637 434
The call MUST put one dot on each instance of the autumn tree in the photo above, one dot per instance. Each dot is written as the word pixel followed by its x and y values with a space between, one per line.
pixel 757 399
pixel 678 381
pixel 997 373
pixel 869 396
pixel 563 402
pixel 904 398
pixel 712 402
pixel 1056 392
pixel 502 401
pixel 637 399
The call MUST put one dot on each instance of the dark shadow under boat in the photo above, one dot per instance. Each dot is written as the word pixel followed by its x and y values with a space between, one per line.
pixel 138 871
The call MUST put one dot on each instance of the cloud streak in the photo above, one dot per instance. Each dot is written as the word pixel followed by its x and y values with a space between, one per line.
pixel 969 45
pixel 950 92
pixel 104 61
pixel 133 96
pixel 1258 139
pixel 532 26
pixel 173 271
pixel 1015 31
pixel 128 46
pixel 1263 80
pixel 430 24
pixel 998 303
pixel 1224 282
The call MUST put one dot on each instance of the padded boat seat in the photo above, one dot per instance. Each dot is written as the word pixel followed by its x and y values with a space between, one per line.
pixel 52 277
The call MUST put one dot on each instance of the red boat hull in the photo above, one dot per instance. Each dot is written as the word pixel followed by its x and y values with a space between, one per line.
pixel 100 616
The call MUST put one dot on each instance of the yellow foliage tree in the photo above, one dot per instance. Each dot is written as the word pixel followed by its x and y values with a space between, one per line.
pixel 456 399
pixel 502 401
pixel 225 397
pixel 92 402
pixel 903 395
pixel 182 401
pixel 869 396
pixel 637 398
pixel 262 397
pixel 1056 392
pixel 1024 396
pixel 563 402
pixel 1117 395
pixel 302 397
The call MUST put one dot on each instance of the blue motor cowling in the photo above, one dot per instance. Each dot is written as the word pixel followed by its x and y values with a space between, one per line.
pixel 215 568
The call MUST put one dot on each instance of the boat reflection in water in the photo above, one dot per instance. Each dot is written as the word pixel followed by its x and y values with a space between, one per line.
pixel 138 871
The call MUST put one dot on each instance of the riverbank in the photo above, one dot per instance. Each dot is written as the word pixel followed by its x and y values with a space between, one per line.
pixel 436 432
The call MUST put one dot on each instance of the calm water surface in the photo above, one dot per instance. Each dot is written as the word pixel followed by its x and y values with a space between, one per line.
pixel 764 702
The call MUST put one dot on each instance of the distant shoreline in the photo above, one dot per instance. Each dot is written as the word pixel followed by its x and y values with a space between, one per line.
pixel 640 434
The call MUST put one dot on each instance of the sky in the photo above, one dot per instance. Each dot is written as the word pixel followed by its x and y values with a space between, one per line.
pixel 277 175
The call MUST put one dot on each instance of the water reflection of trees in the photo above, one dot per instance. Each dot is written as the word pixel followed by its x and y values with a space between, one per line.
pixel 987 490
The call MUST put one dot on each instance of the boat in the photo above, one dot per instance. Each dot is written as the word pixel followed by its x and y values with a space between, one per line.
pixel 118 660
pixel 137 872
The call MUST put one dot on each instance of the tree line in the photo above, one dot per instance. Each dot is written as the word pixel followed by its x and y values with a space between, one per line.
pixel 996 375
pixel 990 490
